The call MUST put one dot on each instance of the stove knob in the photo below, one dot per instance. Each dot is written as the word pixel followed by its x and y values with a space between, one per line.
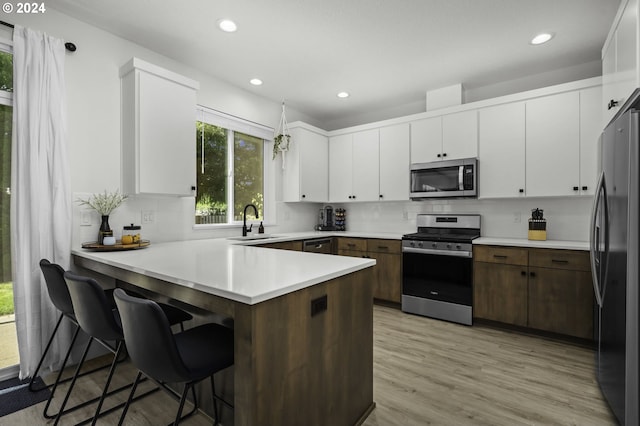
pixel 458 246
pixel 434 245
pixel 420 245
pixel 412 244
pixel 448 246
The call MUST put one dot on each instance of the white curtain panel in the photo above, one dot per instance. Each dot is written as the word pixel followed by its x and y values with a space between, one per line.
pixel 40 190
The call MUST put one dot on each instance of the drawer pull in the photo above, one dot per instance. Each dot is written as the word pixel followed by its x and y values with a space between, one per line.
pixel 350 245
pixel 383 247
pixel 499 256
pixel 564 262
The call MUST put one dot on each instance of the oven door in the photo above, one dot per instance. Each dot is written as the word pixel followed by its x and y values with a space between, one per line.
pixel 438 277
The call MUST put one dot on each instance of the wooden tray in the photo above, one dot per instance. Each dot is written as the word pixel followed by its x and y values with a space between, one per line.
pixel 94 246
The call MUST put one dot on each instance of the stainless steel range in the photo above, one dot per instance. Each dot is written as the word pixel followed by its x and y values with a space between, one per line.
pixel 437 275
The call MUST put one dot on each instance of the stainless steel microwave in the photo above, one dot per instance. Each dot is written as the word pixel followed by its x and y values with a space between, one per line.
pixel 445 179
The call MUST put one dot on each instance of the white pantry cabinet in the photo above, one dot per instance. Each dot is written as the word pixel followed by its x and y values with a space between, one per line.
pixel 553 145
pixel 501 152
pixel 305 177
pixel 158 130
pixel 394 163
pixel 620 73
pixel 447 137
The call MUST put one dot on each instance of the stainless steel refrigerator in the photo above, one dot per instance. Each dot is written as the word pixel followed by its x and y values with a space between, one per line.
pixel 614 259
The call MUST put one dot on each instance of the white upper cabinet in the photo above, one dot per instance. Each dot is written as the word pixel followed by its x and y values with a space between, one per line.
pixel 341 168
pixel 426 140
pixel 460 135
pixel 305 177
pixel 158 130
pixel 501 161
pixel 553 145
pixel 620 73
pixel 446 137
pixel 366 160
pixel 394 163
pixel 370 165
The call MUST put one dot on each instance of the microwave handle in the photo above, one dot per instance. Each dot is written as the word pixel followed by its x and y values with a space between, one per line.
pixel 461 178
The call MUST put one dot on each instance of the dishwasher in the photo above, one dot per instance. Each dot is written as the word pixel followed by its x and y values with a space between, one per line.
pixel 319 245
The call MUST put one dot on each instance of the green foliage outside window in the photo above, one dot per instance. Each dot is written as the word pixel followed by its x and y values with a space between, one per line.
pixel 212 199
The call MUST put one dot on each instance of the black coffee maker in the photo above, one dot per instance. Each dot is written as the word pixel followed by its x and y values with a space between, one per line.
pixel 328 218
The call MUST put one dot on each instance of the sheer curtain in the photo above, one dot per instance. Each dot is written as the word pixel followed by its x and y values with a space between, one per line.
pixel 40 189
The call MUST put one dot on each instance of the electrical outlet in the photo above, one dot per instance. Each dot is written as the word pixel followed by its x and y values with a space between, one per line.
pixel 516 217
pixel 148 217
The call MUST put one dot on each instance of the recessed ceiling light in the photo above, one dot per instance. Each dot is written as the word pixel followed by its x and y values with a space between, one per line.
pixel 256 81
pixel 343 95
pixel 541 38
pixel 227 25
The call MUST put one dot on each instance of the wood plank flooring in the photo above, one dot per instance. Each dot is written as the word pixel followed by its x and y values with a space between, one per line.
pixel 429 372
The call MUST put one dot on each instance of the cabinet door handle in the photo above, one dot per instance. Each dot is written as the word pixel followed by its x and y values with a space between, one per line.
pixel 563 262
pixel 612 104
pixel 523 273
pixel 521 190
pixel 575 188
pixel 584 188
pixel 444 154
pixel 303 196
pixel 532 274
pixel 439 155
pixel 193 188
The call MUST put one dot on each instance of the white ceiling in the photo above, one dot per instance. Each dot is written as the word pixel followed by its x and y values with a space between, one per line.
pixel 385 53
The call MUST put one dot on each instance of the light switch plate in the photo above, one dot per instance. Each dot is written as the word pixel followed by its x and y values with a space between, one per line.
pixel 85 218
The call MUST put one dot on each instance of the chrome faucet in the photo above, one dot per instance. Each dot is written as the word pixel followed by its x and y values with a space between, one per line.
pixel 244 223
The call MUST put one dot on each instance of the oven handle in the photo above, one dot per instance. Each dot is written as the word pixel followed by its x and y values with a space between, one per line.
pixel 434 251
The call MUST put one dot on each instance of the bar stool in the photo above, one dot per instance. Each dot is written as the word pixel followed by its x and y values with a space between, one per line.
pixel 59 296
pixel 101 322
pixel 187 357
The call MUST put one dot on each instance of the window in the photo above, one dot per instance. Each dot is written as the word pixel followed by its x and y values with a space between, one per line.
pixel 230 166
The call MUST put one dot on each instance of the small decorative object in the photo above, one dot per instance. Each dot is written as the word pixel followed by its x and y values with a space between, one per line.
pixel 109 241
pixel 104 204
pixel 281 138
pixel 131 234
pixel 537 226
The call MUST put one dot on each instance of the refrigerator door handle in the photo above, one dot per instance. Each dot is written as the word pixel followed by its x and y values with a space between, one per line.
pixel 594 240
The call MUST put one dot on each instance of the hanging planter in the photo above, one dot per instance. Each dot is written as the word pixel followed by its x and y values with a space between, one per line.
pixel 281 138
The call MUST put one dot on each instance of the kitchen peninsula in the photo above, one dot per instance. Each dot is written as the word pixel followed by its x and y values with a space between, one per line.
pixel 303 322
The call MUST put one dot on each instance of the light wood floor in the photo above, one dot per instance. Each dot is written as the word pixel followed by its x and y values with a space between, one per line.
pixel 429 372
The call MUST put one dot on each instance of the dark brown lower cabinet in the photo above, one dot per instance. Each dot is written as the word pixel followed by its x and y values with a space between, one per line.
pixel 284 245
pixel 561 301
pixel 500 293
pixel 542 289
pixel 387 284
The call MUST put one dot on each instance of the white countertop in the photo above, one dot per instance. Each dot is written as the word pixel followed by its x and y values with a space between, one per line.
pixel 232 269
pixel 523 242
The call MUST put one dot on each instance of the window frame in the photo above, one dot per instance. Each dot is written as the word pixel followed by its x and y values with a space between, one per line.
pixel 236 124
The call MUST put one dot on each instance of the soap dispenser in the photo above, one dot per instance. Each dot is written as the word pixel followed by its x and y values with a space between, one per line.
pixel 261 228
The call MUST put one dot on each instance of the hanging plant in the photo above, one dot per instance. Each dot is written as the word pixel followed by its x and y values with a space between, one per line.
pixel 280 144
pixel 282 138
